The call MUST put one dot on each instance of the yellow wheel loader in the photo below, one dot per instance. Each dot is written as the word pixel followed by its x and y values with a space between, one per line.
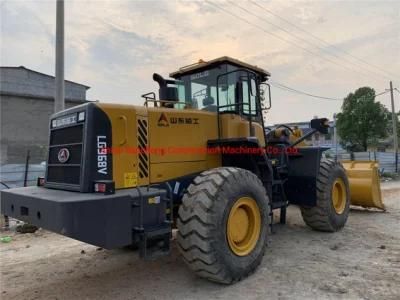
pixel 197 159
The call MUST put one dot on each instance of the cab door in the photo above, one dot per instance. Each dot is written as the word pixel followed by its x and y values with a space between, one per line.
pixel 242 119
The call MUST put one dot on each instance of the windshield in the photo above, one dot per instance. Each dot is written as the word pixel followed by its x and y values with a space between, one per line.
pixel 199 90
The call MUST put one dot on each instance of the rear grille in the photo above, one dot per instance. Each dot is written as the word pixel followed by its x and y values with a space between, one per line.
pixel 142 145
pixel 70 138
pixel 75 151
pixel 64 174
pixel 67 135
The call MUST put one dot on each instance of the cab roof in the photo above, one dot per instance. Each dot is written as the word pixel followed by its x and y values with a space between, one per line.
pixel 203 65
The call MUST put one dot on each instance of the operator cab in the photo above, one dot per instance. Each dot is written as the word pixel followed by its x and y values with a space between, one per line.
pixel 223 85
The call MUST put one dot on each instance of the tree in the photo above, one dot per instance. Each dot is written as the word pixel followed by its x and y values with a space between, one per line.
pixel 362 120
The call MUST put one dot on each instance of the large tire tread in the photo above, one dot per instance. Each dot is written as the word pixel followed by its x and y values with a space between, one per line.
pixel 320 216
pixel 195 236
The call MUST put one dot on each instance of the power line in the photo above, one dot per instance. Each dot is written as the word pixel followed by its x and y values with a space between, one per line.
pixel 321 40
pixel 289 89
pixel 275 35
pixel 377 95
pixel 276 84
pixel 303 40
pixel 374 97
pixel 296 91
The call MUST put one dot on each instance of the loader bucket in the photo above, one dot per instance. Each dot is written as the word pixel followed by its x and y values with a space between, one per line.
pixel 365 188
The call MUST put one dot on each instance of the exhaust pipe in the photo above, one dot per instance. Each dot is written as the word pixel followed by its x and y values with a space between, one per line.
pixel 160 80
pixel 166 92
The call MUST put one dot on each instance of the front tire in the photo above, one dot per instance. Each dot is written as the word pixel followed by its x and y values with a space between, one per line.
pixel 333 199
pixel 223 223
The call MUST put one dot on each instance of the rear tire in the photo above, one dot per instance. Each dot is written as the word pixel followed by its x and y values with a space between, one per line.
pixel 333 199
pixel 206 239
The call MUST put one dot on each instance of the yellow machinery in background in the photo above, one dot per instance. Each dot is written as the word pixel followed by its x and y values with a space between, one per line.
pixel 365 189
pixel 296 134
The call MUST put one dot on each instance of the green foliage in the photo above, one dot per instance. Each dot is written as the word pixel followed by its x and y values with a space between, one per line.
pixel 393 176
pixel 362 120
pixel 398 125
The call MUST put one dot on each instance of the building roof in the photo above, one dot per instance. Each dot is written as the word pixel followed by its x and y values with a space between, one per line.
pixel 43 74
pixel 201 64
pixel 306 123
pixel 46 98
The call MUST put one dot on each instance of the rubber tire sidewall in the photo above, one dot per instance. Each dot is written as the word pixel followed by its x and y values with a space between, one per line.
pixel 323 216
pixel 338 220
pixel 227 197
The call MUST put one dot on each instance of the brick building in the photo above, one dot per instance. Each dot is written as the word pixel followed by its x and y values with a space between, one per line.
pixel 26 103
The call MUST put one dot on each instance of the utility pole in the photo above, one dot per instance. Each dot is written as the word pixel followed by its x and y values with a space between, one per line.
pixel 335 136
pixel 59 101
pixel 394 120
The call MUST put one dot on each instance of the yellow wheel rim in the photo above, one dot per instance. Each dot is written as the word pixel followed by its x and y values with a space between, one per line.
pixel 339 196
pixel 244 226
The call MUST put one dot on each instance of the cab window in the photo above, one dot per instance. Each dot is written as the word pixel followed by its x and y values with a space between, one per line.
pixel 200 90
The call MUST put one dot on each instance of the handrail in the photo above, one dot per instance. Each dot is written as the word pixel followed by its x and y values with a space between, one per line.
pixel 147 97
pixel 234 104
pixel 155 101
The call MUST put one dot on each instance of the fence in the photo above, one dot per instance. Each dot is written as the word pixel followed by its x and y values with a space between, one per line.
pixel 386 160
pixel 19 175
pixel 13 175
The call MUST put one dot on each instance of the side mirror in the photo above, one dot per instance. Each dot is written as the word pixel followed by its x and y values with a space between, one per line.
pixel 265 92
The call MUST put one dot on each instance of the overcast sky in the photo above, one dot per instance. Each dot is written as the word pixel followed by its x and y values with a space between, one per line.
pixel 115 46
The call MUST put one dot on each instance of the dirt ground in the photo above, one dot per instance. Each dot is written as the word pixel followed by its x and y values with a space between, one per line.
pixel 360 262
